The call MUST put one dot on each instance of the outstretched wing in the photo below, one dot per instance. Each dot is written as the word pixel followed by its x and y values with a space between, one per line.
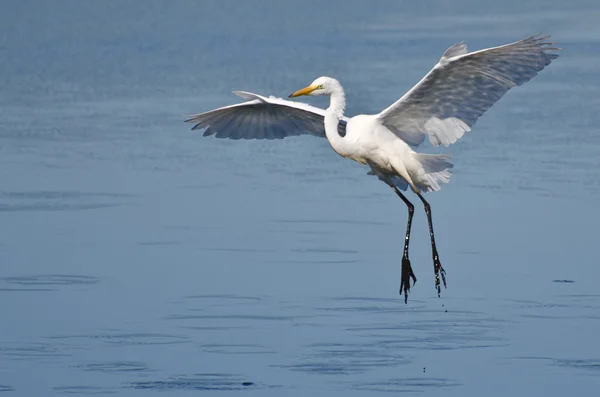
pixel 263 118
pixel 447 102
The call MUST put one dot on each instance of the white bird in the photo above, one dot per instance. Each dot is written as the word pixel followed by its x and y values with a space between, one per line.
pixel 444 105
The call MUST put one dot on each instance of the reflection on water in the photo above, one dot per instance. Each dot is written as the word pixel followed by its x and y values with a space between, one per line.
pixel 138 256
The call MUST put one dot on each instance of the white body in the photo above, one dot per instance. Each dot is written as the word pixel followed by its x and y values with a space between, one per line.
pixel 382 149
pixel 368 141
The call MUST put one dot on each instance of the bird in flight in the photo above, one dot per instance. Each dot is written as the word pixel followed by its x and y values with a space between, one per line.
pixel 444 105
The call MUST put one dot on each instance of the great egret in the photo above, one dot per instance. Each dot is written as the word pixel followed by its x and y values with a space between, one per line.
pixel 444 105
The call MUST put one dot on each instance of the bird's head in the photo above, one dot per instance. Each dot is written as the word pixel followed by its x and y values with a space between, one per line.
pixel 321 86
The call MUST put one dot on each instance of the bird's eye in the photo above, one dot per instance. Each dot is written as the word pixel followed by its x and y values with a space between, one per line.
pixel 320 87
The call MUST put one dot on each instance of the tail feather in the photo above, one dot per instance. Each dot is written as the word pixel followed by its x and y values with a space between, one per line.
pixel 436 170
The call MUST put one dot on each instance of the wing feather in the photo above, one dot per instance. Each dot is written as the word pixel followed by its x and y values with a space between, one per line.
pixel 245 132
pixel 461 87
pixel 263 118
pixel 237 127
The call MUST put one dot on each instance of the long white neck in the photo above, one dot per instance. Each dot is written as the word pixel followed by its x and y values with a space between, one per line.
pixel 333 114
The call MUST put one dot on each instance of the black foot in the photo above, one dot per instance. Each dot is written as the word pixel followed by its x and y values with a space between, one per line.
pixel 407 274
pixel 439 271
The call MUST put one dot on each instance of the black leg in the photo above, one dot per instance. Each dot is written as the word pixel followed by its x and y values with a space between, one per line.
pixel 437 266
pixel 407 272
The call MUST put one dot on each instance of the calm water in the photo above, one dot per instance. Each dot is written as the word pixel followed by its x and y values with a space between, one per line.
pixel 139 257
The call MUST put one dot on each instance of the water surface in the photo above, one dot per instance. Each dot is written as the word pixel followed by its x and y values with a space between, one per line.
pixel 139 257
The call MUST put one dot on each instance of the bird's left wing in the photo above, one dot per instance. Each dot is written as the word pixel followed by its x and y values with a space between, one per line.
pixel 447 102
pixel 263 118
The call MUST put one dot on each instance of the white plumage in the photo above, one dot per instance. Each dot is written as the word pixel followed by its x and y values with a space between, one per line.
pixel 443 106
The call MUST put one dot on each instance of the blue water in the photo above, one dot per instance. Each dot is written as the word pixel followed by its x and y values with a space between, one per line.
pixel 138 257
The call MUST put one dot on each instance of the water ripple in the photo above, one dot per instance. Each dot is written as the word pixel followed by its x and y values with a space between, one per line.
pixel 224 296
pixel 29 351
pixel 113 367
pixel 59 195
pixel 85 390
pixel 360 222
pixel 236 349
pixel 212 328
pixel 405 385
pixel 50 279
pixel 160 243
pixel 370 304
pixel 443 334
pixel 26 289
pixel 53 207
pixel 128 339
pixel 559 307
pixel 221 382
pixel 251 317
pixel 346 359
pixel 590 366
pixel 586 365
pixel 58 200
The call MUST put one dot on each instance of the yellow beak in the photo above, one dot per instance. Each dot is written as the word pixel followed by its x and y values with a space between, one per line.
pixel 304 91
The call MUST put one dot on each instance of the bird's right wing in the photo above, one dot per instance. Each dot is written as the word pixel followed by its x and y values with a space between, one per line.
pixel 263 118
pixel 462 87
